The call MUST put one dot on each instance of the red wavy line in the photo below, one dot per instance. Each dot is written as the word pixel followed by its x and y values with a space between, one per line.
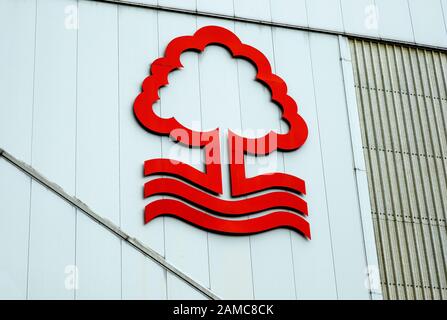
pixel 210 180
pixel 241 207
pixel 177 209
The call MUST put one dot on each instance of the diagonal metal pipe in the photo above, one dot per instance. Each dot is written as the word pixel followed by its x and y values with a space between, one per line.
pixel 150 253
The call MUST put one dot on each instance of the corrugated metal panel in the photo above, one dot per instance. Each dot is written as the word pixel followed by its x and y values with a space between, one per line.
pixel 402 96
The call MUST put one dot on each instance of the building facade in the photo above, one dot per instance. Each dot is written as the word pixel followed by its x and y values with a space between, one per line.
pixel 369 80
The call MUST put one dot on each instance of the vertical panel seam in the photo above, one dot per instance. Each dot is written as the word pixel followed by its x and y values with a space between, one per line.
pixel 76 148
pixel 161 154
pixel 377 15
pixel 31 150
pixel 411 20
pixel 241 122
pixel 284 164
pixel 306 12
pixel 119 140
pixel 342 16
pixel 343 61
pixel 443 16
pixel 201 129
pixel 322 167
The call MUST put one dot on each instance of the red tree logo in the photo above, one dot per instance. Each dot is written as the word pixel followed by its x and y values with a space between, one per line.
pixel 208 211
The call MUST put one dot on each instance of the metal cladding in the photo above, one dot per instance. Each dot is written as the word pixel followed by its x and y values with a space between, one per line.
pixel 77 169
pixel 402 99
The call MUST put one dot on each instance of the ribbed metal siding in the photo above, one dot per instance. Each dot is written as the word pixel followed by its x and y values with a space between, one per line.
pixel 402 98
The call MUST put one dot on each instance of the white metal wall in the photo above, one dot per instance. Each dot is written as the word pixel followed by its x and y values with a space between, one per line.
pixel 418 21
pixel 66 109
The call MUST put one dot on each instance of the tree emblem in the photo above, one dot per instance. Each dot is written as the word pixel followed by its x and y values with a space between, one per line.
pixel 197 198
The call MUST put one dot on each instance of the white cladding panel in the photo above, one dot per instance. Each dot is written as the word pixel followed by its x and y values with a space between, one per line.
pixel 85 138
pixel 181 4
pixel 17 34
pixel 51 244
pixel 14 231
pixel 325 14
pixel 253 9
pixel 428 22
pixel 360 17
pixel 418 21
pixel 444 10
pixel 53 152
pixel 395 20
pixel 46 263
pixel 289 11
pixel 224 7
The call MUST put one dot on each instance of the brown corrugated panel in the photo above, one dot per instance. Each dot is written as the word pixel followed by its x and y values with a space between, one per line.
pixel 402 98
